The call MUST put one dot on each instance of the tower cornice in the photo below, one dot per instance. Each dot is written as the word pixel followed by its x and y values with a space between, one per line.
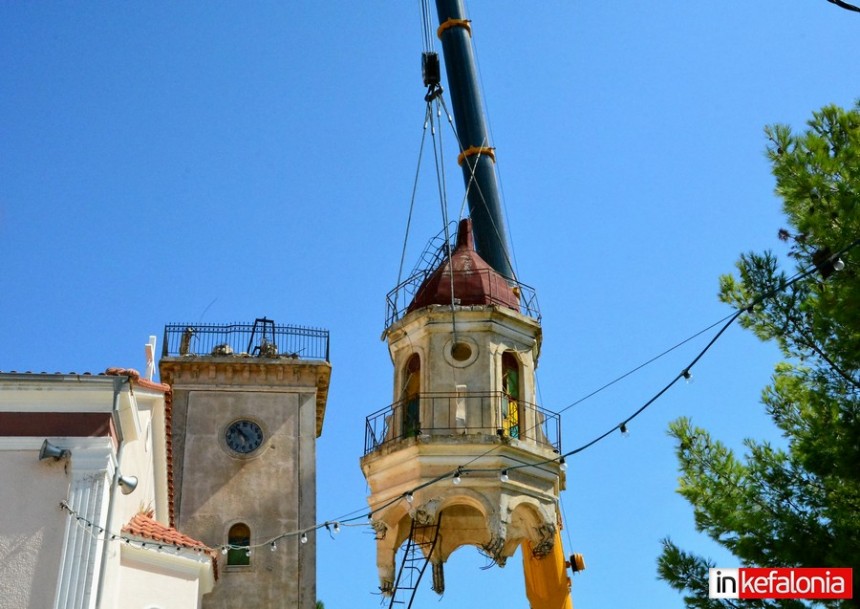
pixel 242 372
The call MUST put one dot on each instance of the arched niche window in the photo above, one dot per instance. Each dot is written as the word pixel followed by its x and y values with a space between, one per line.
pixel 410 392
pixel 239 540
pixel 511 408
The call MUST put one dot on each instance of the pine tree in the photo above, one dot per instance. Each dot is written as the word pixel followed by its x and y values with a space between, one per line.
pixel 797 506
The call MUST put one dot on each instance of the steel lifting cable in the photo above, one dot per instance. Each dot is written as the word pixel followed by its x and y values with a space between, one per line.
pixel 426 29
pixel 427 119
pixel 439 155
pixel 434 93
pixel 464 155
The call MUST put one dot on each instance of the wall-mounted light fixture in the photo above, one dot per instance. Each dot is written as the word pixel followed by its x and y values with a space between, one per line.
pixel 52 451
pixel 127 484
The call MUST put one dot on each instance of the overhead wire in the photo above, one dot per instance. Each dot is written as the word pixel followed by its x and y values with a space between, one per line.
pixel 643 364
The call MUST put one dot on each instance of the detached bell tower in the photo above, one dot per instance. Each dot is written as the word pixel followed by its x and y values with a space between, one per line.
pixel 464 445
pixel 464 455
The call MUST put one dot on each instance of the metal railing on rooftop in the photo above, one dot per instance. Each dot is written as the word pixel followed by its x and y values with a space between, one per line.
pixel 464 413
pixel 263 338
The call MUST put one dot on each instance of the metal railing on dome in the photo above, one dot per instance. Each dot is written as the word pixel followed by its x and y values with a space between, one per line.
pixel 436 251
pixel 398 300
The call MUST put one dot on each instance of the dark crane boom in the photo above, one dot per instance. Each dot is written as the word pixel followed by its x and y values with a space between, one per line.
pixel 477 157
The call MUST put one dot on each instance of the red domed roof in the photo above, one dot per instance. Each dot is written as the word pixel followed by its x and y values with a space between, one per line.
pixel 474 281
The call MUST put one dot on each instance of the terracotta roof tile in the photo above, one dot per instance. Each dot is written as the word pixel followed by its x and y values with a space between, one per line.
pixel 168 431
pixel 144 526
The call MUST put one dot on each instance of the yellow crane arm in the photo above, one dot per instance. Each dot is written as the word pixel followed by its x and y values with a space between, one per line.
pixel 547 581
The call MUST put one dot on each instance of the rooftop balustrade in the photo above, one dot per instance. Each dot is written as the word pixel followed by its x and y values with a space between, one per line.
pixel 263 338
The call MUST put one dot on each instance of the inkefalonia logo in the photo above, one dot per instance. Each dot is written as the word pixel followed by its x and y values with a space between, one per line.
pixel 783 582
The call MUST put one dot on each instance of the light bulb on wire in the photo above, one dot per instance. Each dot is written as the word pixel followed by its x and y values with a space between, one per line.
pixel 457 479
pixel 304 538
pixel 409 498
pixel 562 464
pixel 274 546
pixel 504 477
pixel 624 431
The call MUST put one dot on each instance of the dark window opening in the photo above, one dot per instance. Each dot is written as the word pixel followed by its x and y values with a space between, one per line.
pixel 411 391
pixel 239 540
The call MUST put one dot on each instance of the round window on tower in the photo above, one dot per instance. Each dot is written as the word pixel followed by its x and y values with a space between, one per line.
pixel 460 351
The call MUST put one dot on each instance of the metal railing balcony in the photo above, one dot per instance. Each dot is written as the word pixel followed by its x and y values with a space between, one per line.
pixel 491 413
pixel 263 338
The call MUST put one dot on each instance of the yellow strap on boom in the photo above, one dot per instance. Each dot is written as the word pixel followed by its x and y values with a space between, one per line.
pixel 475 150
pixel 463 23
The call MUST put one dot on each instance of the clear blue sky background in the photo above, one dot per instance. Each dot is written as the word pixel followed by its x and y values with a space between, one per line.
pixel 181 162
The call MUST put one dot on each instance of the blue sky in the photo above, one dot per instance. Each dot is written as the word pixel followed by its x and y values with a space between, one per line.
pixel 217 162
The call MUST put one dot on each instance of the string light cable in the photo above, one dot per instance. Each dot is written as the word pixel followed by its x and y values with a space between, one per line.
pixel 99 532
pixel 352 519
pixel 644 364
pixel 685 372
pixel 102 534
pixel 727 321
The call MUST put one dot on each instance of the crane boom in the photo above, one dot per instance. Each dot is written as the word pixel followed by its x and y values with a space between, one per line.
pixel 547 581
pixel 477 156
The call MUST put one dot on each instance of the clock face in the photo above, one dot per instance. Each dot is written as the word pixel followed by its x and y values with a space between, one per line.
pixel 244 436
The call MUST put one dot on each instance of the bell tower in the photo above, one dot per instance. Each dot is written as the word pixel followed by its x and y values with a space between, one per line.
pixel 464 453
pixel 248 403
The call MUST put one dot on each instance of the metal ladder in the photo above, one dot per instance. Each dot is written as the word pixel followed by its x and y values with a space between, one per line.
pixel 416 556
